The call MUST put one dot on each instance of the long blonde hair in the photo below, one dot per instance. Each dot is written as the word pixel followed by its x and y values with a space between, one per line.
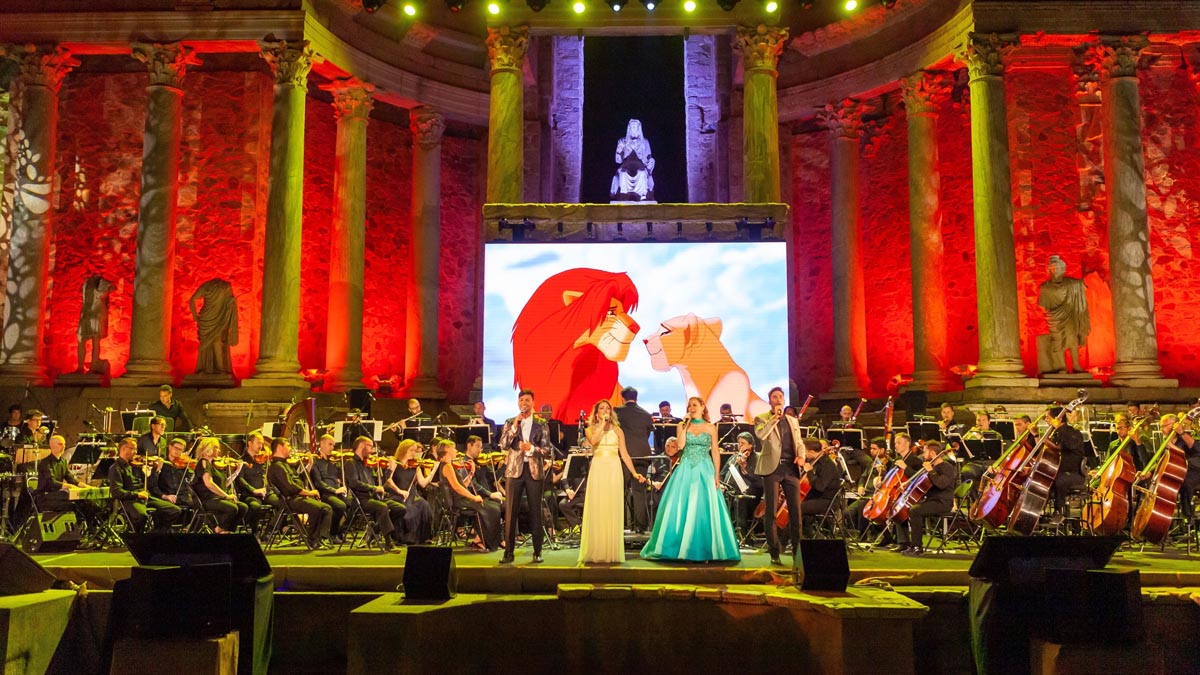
pixel 596 411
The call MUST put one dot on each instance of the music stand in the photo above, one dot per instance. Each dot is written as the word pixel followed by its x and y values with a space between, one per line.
pixel 86 452
pixel 573 470
pixel 128 417
pixel 846 438
pixel 924 431
pixel 422 435
pixel 984 448
pixel 465 431
pixel 1007 431
pixel 662 431
pixel 727 432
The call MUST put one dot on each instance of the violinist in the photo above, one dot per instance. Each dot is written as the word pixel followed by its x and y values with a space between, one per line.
pixel 172 475
pixel 824 479
pixel 484 484
pixel 1071 465
pixel 127 483
pixel 462 498
pixel 779 464
pixel 153 443
pixel 300 498
pixel 409 476
pixel 326 475
pixel 939 500
pixel 252 486
pixel 750 498
pixel 368 489
pixel 213 487
pixel 868 482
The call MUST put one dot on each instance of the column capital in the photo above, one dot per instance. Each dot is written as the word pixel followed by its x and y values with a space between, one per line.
pixel 761 46
pixel 1087 77
pixel 353 99
pixel 924 91
pixel 506 47
pixel 843 119
pixel 984 54
pixel 1114 57
pixel 427 126
pixel 41 66
pixel 167 63
pixel 289 61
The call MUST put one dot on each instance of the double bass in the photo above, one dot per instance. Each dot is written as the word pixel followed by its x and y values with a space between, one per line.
pixel 1166 469
pixel 998 489
pixel 1042 469
pixel 1107 507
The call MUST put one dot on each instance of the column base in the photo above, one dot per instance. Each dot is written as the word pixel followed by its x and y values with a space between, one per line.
pixel 1143 373
pixel 934 380
pixel 423 387
pixel 145 374
pixel 210 380
pixel 1068 380
pixel 269 373
pixel 980 380
pixel 81 380
pixel 343 381
pixel 19 375
pixel 846 386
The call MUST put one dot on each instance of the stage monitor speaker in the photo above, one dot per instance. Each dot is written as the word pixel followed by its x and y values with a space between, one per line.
pixel 826 567
pixel 429 573
pixel 173 602
pixel 1024 560
pixel 360 399
pixel 21 574
pixel 241 551
pixel 52 533
pixel 1093 607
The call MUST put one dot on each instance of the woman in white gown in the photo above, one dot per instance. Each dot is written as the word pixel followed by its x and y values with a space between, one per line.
pixel 603 539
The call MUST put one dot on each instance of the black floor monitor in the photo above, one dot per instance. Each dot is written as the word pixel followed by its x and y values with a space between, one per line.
pixel 1018 559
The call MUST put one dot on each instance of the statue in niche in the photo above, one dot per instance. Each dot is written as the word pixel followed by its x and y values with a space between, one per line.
pixel 1064 300
pixel 216 327
pixel 634 181
pixel 93 322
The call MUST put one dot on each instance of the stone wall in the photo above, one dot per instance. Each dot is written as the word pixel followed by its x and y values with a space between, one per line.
pixel 703 114
pixel 812 281
pixel 460 351
pixel 566 119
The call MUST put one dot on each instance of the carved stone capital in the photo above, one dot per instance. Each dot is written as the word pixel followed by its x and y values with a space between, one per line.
pixel 352 98
pixel 984 54
pixel 761 46
pixel 41 66
pixel 844 119
pixel 427 127
pixel 167 63
pixel 924 91
pixel 289 61
pixel 1117 56
pixel 1087 78
pixel 506 47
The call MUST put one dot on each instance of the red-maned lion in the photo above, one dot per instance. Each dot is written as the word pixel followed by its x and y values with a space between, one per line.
pixel 570 335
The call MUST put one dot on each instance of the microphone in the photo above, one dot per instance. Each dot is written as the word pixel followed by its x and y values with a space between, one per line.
pixel 583 417
pixel 89 424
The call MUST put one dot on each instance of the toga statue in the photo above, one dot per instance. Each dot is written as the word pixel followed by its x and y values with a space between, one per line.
pixel 634 181
pixel 1065 301
pixel 216 326
pixel 93 322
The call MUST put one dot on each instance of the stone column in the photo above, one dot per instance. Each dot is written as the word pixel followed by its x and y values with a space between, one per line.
pixel 41 72
pixel 995 253
pixel 1137 364
pixel 352 101
pixel 153 300
pixel 923 92
pixel 278 363
pixel 844 122
pixel 506 124
pixel 421 329
pixel 760 48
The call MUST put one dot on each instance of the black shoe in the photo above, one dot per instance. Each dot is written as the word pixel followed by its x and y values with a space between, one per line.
pixel 914 550
pixel 537 558
pixel 776 561
pixel 901 548
pixel 507 559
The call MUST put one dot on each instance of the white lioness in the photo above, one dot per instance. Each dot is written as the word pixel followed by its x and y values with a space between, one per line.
pixel 693 345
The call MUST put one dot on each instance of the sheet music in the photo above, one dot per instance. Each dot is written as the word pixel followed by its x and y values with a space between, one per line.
pixel 737 477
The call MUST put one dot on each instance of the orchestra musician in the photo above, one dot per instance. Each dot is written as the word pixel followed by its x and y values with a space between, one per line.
pixel 744 511
pixel 252 486
pixel 727 416
pixel 868 482
pixel 361 479
pixel 1138 448
pixel 480 410
pixel 779 463
pixel 671 452
pixel 824 480
pixel 416 416
pixel 484 484
pixel 55 480
pixel 463 498
pixel 939 500
pixel 526 442
pixel 301 499
pixel 845 418
pixel 153 443
pixel 406 480
pixel 33 433
pixel 170 477
pixel 326 475
pixel 946 421
pixel 664 415
pixel 974 466
pixel 1072 467
pixel 213 487
pixel 1186 440
pixel 637 425
pixel 167 406
pixel 127 484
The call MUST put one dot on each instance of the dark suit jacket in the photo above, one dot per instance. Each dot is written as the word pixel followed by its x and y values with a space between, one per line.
pixel 147 447
pixel 637 425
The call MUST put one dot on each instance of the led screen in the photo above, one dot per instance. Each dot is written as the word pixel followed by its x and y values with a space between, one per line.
pixel 576 322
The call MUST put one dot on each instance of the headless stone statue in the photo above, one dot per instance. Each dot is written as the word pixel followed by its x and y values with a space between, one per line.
pixel 216 327
pixel 93 322
pixel 1065 301
pixel 634 180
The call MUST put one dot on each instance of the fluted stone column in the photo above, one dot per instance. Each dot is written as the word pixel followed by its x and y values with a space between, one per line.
pixel 995 253
pixel 844 122
pixel 923 92
pixel 352 101
pixel 41 72
pixel 421 330
pixel 1128 228
pixel 506 113
pixel 760 48
pixel 278 363
pixel 150 332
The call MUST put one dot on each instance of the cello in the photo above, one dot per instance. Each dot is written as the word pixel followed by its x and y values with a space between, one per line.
pixel 880 505
pixel 1166 469
pixel 998 489
pixel 1107 507
pixel 1042 469
pixel 914 490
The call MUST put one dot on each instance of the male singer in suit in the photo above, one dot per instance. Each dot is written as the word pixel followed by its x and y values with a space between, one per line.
pixel 779 465
pixel 525 442
pixel 637 425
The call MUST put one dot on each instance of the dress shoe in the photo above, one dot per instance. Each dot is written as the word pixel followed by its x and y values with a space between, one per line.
pixel 901 548
pixel 776 561
pixel 507 559
pixel 914 550
pixel 537 558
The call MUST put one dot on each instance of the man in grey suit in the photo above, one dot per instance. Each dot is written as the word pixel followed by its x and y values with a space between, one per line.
pixel 778 464
pixel 637 425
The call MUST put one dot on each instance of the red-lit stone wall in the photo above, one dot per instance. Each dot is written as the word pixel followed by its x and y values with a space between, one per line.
pixel 460 274
pixel 812 282
pixel 320 145
pixel 958 229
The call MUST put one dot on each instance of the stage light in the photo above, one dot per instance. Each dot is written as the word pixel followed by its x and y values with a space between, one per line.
pixel 455 6
pixel 579 7
pixel 493 7
pixel 771 6
pixel 727 5
pixel 537 5
pixel 851 5
pixel 409 9
pixel 372 6
pixel 616 5
pixel 689 6
pixel 650 5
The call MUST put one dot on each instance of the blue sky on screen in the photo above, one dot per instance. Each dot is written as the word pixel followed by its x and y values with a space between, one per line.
pixel 742 283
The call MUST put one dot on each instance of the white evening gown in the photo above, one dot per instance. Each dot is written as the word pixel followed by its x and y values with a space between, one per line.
pixel 603 539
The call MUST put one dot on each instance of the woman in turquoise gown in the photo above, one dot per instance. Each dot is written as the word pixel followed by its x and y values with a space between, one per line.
pixel 693 522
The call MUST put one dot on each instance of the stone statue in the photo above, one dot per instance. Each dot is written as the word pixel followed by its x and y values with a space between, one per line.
pixel 216 327
pixel 1065 301
pixel 634 181
pixel 93 322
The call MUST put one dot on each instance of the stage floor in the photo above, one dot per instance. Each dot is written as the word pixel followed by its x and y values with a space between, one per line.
pixel 297 569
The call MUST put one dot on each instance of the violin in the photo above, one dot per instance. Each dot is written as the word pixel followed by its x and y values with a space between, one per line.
pixel 184 462
pixel 297 457
pixel 377 461
pixel 228 462
pixel 142 460
pixel 420 463
pixel 262 457
pixel 340 455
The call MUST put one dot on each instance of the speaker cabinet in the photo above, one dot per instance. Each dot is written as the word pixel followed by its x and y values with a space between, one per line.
pixel 826 566
pixel 21 573
pixel 429 573
pixel 52 533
